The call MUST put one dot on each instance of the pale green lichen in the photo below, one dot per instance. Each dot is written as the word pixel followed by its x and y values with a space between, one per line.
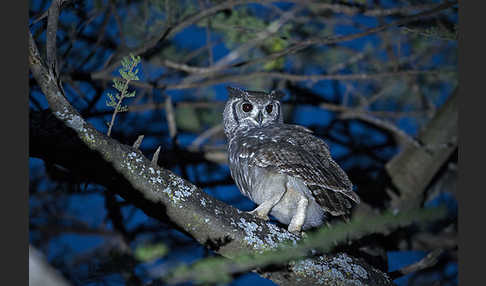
pixel 272 240
pixel 72 120
pixel 251 230
pixel 340 270
pixel 203 202
pixel 77 123
pixel 346 263
pixel 179 189
pixel 88 139
pixel 169 194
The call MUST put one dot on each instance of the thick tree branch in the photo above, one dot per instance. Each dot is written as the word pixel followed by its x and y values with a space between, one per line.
pixel 438 140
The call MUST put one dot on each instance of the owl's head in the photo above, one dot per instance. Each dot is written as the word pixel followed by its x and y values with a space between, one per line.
pixel 249 109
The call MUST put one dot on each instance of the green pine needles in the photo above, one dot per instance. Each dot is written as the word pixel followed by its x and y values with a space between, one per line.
pixel 128 72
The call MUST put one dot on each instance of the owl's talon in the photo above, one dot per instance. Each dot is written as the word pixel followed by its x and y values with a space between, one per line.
pixel 295 229
pixel 255 212
pixel 296 232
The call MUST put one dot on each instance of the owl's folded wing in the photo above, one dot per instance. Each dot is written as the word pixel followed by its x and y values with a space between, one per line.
pixel 306 157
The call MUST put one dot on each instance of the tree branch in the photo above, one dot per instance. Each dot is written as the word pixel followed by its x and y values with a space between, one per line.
pixel 438 140
pixel 428 261
pixel 51 34
pixel 294 77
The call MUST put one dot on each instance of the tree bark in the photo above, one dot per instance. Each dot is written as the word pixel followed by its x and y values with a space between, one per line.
pixel 437 140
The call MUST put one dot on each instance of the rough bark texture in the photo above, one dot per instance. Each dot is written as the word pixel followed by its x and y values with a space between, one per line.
pixel 438 140
pixel 64 137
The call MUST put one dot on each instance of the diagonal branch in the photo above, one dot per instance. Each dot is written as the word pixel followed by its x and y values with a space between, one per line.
pixel 296 77
pixel 401 136
pixel 428 261
pixel 51 34
pixel 437 140
pixel 331 40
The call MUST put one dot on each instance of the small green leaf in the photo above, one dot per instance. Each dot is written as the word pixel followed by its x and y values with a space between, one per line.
pixel 150 252
pixel 187 119
pixel 123 74
pixel 131 94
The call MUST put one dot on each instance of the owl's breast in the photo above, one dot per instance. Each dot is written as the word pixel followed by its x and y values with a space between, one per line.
pixel 242 151
pixel 238 163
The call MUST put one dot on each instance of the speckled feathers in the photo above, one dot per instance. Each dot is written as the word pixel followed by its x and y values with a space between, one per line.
pixel 261 146
pixel 294 151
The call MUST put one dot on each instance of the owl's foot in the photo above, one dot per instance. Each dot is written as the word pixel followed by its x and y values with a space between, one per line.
pixel 297 221
pixel 258 213
pixel 295 229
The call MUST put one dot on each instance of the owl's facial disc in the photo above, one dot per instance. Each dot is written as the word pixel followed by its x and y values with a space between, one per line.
pixel 251 109
pixel 258 113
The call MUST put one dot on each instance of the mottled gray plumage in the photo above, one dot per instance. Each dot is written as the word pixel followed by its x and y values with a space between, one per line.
pixel 283 168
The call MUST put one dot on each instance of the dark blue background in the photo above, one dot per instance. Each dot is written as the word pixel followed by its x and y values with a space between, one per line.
pixel 91 208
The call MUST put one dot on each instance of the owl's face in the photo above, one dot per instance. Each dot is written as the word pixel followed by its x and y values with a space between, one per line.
pixel 251 109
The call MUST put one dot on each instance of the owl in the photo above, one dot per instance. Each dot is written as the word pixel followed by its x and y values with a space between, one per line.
pixel 283 168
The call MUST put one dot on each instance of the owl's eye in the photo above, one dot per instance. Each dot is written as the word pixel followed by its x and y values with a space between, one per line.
pixel 247 107
pixel 269 108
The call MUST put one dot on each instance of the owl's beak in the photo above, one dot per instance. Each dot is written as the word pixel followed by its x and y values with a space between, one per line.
pixel 260 118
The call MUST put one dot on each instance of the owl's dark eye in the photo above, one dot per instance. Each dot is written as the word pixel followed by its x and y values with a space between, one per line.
pixel 269 108
pixel 247 107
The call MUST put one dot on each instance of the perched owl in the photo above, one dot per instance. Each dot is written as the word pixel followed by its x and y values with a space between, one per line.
pixel 283 168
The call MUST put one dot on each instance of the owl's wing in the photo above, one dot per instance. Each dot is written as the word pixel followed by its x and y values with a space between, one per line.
pixel 294 151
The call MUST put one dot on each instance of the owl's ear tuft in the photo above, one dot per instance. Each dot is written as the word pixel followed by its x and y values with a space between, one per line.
pixel 234 92
pixel 277 94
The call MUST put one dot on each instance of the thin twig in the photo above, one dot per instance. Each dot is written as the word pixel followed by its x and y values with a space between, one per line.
pixel 169 112
pixel 117 107
pixel 155 158
pixel 137 143
pixel 379 12
pixel 259 38
pixel 294 77
pixel 208 34
pixel 51 35
pixel 204 136
pixel 127 73
pixel 402 137
pixel 113 8
pixel 428 261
